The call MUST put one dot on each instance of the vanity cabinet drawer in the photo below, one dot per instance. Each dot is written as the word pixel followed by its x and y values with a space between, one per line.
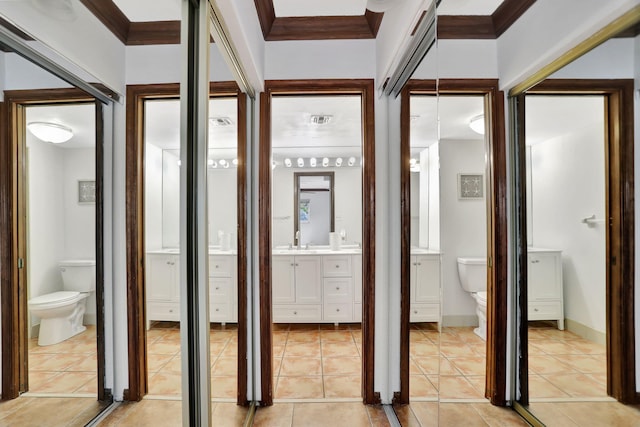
pixel 220 266
pixel 338 312
pixel 219 312
pixel 336 266
pixel 425 313
pixel 297 313
pixel 541 310
pixel 163 311
pixel 337 290
pixel 220 289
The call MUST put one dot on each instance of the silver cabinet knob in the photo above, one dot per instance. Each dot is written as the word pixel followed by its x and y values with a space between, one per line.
pixel 337 309
pixel 337 266
pixel 337 288
pixel 217 309
pixel 295 312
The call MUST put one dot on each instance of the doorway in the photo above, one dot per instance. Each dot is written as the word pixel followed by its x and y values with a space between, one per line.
pixel 53 190
pixel 615 371
pixel 355 267
pixel 154 353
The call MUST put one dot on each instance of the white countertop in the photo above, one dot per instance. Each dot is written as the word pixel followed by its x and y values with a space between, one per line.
pixel 424 251
pixel 534 249
pixel 176 251
pixel 317 250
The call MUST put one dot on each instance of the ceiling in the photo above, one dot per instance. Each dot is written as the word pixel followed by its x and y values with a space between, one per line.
pixel 79 117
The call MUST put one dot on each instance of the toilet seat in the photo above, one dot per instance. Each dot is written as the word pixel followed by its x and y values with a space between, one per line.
pixel 54 299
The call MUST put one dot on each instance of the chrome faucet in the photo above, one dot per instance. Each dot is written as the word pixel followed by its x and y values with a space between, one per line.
pixel 297 239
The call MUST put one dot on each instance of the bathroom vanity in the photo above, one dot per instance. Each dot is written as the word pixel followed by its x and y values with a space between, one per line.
pixel 425 286
pixel 317 285
pixel 545 290
pixel 163 285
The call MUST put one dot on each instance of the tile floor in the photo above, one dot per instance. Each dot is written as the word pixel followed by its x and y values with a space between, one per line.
pixel 350 414
pixel 317 361
pixel 49 411
pixel 564 365
pixel 431 414
pixel 164 362
pixel 592 414
pixel 65 368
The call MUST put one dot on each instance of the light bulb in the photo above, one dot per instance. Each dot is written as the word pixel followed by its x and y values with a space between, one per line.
pixel 352 161
pixel 300 162
pixel 339 162
pixel 235 162
pixel 287 162
pixel 312 162
pixel 325 162
pixel 210 162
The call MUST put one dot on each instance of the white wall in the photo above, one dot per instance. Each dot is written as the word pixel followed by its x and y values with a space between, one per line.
pixel 153 197
pixel 463 230
pixel 347 200
pixel 563 192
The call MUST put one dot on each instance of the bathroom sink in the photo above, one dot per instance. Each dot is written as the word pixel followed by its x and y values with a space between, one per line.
pixel 172 250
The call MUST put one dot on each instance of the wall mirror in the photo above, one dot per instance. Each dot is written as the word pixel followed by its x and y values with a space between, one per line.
pixel 313 199
pixel 576 274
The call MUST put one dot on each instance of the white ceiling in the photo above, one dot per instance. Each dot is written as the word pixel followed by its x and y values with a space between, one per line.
pixel 468 7
pixel 319 8
pixel 150 10
pixel 79 117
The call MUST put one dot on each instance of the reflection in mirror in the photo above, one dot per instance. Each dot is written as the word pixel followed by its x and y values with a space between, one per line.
pixel 162 202
pixel 448 248
pixel 317 257
pixel 313 195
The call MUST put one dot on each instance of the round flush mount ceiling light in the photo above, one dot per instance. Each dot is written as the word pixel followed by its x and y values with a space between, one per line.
pixel 477 124
pixel 50 132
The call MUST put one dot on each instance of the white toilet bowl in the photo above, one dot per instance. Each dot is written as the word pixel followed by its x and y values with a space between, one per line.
pixel 473 278
pixel 61 313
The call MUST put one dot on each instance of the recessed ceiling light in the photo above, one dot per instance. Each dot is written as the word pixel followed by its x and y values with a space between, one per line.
pixel 220 121
pixel 321 119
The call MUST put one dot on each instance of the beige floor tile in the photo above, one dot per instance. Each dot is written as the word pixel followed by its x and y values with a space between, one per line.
pixel 165 384
pixel 277 364
pixel 470 365
pixel 337 348
pixel 155 362
pixel 278 415
pixel 546 364
pixel 302 350
pixel 53 362
pixel 428 365
pixel 150 413
pixel 539 387
pixel 224 387
pixel 161 347
pixel 330 414
pixel 174 366
pixel 88 364
pixel 301 366
pixel 278 351
pixel 478 382
pixel 225 366
pixel 66 382
pixel 588 364
pixel 459 414
pixel 377 416
pixel 50 411
pixel 455 350
pixel 216 347
pixel 303 336
pixel 299 388
pixel 407 417
pixel 341 365
pixel 231 350
pixel 497 416
pixel 447 368
pixel 423 349
pixel 457 387
pixel 280 337
pixel 583 346
pixel 551 347
pixel 577 385
pixel 342 386
pixel 336 336
pixel 414 369
pixel 227 415
pixel 420 386
pixel 38 378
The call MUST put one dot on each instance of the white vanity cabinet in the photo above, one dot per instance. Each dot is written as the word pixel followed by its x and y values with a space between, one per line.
pixel 425 288
pixel 163 287
pixel 296 288
pixel 544 285
pixel 317 288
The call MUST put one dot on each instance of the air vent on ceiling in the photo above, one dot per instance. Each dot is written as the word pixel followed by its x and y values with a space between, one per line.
pixel 220 121
pixel 321 119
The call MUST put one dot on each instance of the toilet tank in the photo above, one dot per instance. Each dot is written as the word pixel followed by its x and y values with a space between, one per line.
pixel 473 274
pixel 78 275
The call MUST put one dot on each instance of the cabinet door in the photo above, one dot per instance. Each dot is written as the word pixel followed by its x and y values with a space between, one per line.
pixel 427 286
pixel 283 279
pixel 544 276
pixel 308 279
pixel 162 277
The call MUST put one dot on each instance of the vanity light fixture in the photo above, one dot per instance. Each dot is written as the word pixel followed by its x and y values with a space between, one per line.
pixel 235 162
pixel 224 163
pixel 287 162
pixel 325 162
pixel 300 162
pixel 312 162
pixel 339 162
pixel 273 164
pixel 210 162
pixel 477 124
pixel 50 132
pixel 352 161
pixel 213 163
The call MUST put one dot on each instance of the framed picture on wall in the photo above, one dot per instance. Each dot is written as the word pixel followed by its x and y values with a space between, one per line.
pixel 470 186
pixel 86 191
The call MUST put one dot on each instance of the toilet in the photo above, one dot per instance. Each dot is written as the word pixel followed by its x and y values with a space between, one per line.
pixel 473 278
pixel 61 313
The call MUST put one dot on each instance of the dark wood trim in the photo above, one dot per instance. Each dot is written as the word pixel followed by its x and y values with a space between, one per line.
pixel 243 323
pixel 13 243
pixel 365 89
pixel 266 15
pixel 621 363
pixel 496 220
pixel 508 13
pixel 320 28
pixel 482 26
pixel 111 16
pixel 156 32
pixel 136 293
pixel 374 20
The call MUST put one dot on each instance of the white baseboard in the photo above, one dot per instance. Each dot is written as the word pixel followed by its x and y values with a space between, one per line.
pixel 585 332
pixel 460 321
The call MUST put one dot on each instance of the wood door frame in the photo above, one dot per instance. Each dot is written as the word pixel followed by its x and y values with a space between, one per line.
pixel 365 89
pixel 136 290
pixel 620 240
pixel 13 241
pixel 497 299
